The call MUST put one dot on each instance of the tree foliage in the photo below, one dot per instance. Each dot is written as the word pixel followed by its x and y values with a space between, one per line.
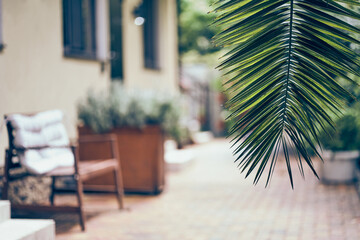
pixel 194 26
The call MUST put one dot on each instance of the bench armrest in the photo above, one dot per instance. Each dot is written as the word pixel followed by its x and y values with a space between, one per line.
pixel 20 149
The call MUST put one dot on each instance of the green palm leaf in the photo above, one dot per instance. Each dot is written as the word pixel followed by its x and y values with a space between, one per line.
pixel 283 60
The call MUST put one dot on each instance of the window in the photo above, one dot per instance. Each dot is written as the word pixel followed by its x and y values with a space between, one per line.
pixel 1 36
pixel 79 28
pixel 151 49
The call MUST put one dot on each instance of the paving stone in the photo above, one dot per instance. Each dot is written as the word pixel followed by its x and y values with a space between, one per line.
pixel 211 200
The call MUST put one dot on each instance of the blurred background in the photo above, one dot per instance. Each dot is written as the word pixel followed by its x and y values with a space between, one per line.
pixel 110 64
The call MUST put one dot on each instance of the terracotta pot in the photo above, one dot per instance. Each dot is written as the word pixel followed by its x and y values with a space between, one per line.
pixel 141 158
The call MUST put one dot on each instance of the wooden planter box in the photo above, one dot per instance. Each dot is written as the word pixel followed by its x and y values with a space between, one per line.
pixel 141 158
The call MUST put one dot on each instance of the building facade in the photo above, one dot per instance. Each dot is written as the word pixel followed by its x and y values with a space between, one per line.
pixel 53 52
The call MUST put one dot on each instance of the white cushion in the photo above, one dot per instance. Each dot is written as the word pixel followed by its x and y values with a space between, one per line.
pixel 36 122
pixel 51 135
pixel 45 160
pixel 42 129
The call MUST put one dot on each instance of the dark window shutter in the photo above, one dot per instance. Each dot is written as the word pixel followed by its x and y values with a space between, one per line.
pixel 92 13
pixel 151 48
pixel 79 28
pixel 1 37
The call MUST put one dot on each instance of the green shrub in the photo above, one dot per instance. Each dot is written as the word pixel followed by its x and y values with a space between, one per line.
pixel 119 108
pixel 95 112
pixel 346 136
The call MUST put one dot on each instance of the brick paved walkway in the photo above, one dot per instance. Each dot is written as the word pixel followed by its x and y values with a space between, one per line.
pixel 210 200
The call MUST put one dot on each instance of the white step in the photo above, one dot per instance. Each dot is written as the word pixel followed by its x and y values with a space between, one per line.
pixel 177 160
pixel 25 229
pixel 4 211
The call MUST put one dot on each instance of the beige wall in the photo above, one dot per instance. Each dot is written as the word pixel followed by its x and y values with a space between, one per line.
pixel 34 75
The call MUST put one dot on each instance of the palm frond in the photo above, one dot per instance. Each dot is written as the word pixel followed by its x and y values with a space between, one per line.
pixel 283 62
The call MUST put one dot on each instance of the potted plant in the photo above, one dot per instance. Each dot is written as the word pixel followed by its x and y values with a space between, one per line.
pixel 140 120
pixel 341 149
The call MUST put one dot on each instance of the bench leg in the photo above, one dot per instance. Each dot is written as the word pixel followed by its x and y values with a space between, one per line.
pixel 79 194
pixel 52 194
pixel 5 190
pixel 119 188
